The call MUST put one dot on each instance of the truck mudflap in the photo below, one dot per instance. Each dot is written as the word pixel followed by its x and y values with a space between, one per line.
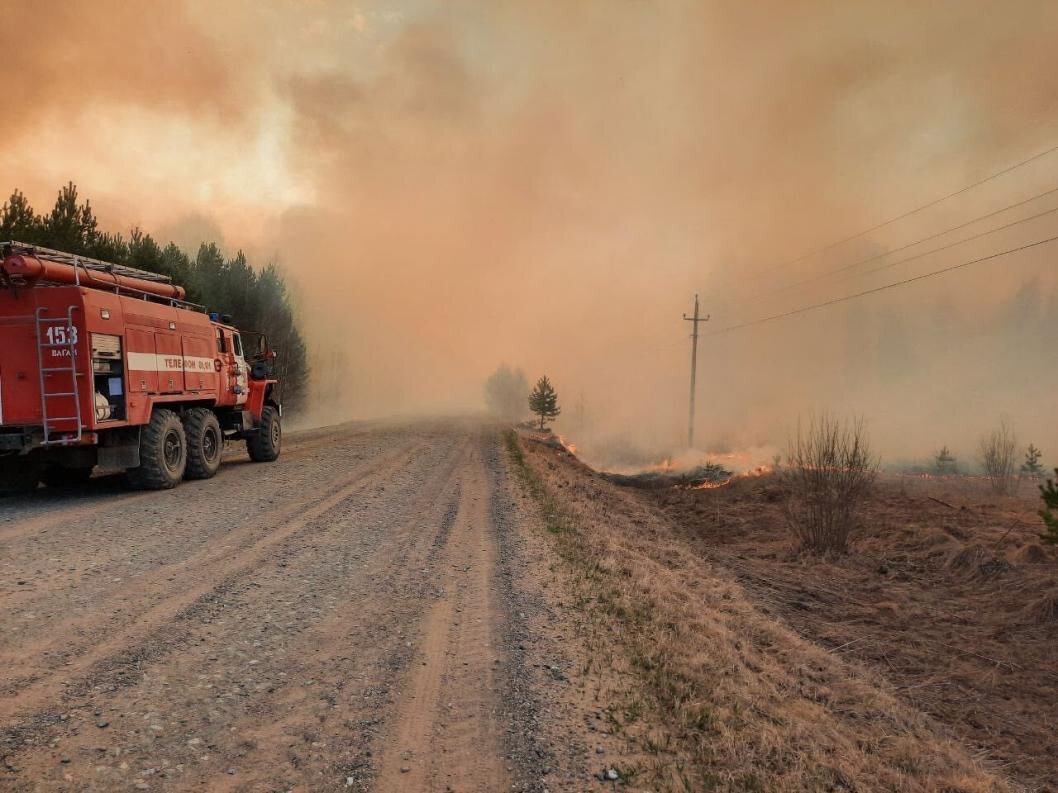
pixel 119 448
pixel 118 456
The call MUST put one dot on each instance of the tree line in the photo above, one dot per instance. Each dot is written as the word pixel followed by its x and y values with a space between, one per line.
pixel 256 299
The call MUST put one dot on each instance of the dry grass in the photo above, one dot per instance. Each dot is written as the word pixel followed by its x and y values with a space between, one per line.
pixel 1044 609
pixel 946 593
pixel 732 698
pixel 977 560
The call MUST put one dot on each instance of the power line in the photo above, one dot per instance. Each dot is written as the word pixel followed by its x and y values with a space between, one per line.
pixel 876 289
pixel 1037 216
pixel 1003 227
pixel 869 259
pixel 906 214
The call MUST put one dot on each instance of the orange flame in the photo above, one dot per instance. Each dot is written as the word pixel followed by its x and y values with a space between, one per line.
pixel 761 470
pixel 567 444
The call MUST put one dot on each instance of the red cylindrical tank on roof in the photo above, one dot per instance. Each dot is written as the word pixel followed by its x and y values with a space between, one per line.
pixel 32 269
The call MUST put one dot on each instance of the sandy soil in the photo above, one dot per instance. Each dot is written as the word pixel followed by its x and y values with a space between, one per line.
pixel 358 616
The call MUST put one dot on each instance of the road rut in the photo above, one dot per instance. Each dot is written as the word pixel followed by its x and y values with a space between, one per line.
pixel 331 621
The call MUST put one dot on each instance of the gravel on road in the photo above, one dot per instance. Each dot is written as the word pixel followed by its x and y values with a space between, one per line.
pixel 359 615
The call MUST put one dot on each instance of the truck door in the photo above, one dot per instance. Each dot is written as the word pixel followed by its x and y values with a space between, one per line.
pixel 241 371
pixel 198 363
pixel 142 363
pixel 170 363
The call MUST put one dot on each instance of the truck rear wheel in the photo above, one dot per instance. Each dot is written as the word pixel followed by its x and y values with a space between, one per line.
pixel 163 453
pixel 205 442
pixel 264 441
pixel 18 475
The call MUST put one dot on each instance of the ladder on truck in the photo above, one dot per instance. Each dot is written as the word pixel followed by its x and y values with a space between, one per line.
pixel 45 344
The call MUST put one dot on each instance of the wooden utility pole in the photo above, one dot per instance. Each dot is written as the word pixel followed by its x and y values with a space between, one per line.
pixel 696 319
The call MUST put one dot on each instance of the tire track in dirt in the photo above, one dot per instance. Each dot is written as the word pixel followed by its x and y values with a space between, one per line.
pixel 444 736
pixel 396 552
pixel 88 501
pixel 214 570
pixel 375 637
pixel 74 512
pixel 237 536
pixel 128 543
pixel 294 658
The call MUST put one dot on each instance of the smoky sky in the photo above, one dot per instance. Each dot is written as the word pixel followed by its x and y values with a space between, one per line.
pixel 450 186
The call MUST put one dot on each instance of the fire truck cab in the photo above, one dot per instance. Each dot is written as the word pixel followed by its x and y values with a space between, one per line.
pixel 105 365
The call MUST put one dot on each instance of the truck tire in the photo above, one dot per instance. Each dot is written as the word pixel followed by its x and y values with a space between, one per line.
pixel 18 475
pixel 205 442
pixel 61 476
pixel 163 453
pixel 264 440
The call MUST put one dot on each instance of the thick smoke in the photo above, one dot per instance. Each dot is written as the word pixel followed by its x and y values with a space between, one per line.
pixel 452 185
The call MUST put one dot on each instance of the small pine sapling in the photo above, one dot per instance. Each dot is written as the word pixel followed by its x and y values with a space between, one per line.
pixel 544 401
pixel 1032 466
pixel 944 462
pixel 1049 513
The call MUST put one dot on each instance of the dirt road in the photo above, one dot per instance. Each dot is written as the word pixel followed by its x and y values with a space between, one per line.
pixel 346 618
pixel 432 606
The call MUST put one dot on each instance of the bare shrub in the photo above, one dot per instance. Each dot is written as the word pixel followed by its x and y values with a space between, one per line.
pixel 999 458
pixel 829 472
pixel 1043 610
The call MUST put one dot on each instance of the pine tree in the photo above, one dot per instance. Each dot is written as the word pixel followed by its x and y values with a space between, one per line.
pixel 1032 466
pixel 71 227
pixel 177 265
pixel 18 221
pixel 944 462
pixel 1049 493
pixel 544 401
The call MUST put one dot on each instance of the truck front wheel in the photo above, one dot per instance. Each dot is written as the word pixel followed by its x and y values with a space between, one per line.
pixel 264 441
pixel 163 453
pixel 204 443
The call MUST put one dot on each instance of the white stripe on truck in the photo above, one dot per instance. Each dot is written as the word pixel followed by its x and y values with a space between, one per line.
pixel 156 362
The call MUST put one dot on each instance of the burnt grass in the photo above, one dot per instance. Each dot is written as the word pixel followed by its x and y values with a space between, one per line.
pixel 947 593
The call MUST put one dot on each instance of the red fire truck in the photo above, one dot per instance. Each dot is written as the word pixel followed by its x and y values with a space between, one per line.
pixel 106 365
